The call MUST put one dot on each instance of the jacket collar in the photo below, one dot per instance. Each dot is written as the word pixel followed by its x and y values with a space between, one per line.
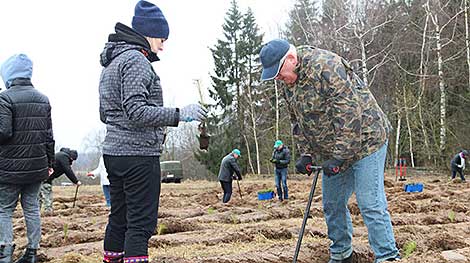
pixel 20 82
pixel 130 36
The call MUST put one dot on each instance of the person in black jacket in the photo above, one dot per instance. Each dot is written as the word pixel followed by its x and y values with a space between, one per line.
pixel 229 166
pixel 457 164
pixel 63 165
pixel 26 154
pixel 281 159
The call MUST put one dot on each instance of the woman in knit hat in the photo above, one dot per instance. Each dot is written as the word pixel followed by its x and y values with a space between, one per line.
pixel 131 106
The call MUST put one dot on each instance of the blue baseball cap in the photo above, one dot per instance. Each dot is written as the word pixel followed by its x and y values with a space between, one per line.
pixel 272 55
pixel 278 143
pixel 236 151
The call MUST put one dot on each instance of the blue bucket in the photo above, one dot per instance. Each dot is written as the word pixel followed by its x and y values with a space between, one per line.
pixel 265 196
pixel 412 188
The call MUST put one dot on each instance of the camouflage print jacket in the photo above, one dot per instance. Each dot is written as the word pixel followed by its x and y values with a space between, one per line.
pixel 334 115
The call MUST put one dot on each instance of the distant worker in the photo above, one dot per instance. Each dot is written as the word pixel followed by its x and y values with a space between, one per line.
pixel 228 167
pixel 63 165
pixel 457 164
pixel 281 159
pixel 104 182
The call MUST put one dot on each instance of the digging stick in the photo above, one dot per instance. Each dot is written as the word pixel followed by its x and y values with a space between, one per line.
pixel 307 212
pixel 75 198
pixel 239 189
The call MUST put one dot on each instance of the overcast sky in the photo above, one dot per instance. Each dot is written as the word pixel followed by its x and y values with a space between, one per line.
pixel 64 39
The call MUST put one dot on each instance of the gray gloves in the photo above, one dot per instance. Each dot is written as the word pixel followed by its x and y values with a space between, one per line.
pixel 193 112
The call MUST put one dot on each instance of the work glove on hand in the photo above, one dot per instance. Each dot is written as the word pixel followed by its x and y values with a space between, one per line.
pixel 304 164
pixel 193 112
pixel 274 160
pixel 332 166
pixel 92 176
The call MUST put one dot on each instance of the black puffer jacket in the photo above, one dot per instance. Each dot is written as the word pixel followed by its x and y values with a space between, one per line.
pixel 283 156
pixel 26 139
pixel 63 165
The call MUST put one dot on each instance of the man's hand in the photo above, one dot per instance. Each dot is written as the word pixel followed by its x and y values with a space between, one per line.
pixel 332 166
pixel 79 183
pixel 274 160
pixel 51 171
pixel 91 175
pixel 304 164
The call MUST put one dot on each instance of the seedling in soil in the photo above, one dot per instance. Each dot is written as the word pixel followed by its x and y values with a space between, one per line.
pixel 66 231
pixel 234 219
pixel 409 248
pixel 162 229
pixel 211 210
pixel 451 216
pixel 269 190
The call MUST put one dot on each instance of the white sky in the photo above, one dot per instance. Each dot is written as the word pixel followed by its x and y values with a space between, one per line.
pixel 64 38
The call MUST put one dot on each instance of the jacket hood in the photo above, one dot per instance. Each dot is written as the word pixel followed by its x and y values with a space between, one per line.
pixel 17 66
pixel 123 40
pixel 72 154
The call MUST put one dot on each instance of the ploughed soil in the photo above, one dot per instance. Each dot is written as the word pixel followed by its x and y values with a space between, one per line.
pixel 194 226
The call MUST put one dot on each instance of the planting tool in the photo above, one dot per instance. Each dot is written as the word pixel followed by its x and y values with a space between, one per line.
pixel 307 211
pixel 75 198
pixel 239 189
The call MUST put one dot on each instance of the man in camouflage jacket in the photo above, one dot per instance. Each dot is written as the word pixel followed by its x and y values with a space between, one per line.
pixel 337 122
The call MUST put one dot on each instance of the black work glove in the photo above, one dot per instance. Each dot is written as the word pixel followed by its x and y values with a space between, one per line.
pixel 332 166
pixel 304 164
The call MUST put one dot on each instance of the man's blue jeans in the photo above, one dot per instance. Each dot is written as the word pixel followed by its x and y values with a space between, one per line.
pixel 281 175
pixel 366 179
pixel 9 196
pixel 107 194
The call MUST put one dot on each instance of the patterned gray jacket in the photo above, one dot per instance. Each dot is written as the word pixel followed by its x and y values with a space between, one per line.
pixel 131 101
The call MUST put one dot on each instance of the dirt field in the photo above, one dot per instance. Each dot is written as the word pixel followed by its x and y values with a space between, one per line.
pixel 195 227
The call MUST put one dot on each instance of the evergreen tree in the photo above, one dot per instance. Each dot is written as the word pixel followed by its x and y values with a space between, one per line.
pixel 235 58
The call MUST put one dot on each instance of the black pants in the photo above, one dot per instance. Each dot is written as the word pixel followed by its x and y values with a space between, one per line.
pixel 227 187
pixel 135 193
pixel 456 170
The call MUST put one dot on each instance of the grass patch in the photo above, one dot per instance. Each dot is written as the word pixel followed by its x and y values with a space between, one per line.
pixel 162 229
pixel 409 248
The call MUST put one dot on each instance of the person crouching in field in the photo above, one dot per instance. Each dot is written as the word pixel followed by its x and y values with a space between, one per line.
pixel 62 165
pixel 26 154
pixel 457 164
pixel 229 166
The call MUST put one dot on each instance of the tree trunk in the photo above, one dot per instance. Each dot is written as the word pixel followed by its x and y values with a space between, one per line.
pixel 397 138
pixel 253 122
pixel 409 128
pixel 423 71
pixel 467 41
pixel 365 72
pixel 442 136
pixel 249 154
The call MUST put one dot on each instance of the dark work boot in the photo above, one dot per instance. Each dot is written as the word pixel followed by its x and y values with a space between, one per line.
pixel 346 260
pixel 28 257
pixel 6 252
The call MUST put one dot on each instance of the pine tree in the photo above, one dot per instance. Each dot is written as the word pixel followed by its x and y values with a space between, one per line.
pixel 234 61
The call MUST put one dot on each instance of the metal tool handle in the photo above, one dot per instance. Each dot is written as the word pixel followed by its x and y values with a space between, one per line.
pixel 239 189
pixel 306 213
pixel 75 198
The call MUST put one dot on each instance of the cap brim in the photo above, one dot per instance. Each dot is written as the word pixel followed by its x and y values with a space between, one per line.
pixel 272 72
